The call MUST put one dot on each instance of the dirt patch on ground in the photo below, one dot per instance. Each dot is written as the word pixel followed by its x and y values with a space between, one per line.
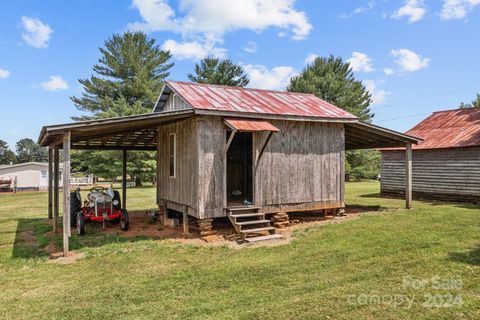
pixel 145 224
pixel 51 248
pixel 71 258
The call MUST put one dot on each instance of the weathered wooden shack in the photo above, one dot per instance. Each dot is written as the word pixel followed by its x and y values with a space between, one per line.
pixel 228 151
pixel 446 164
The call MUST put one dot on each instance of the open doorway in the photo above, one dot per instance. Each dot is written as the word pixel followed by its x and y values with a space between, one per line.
pixel 239 169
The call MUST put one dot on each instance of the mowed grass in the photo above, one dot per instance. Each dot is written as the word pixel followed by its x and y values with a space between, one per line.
pixel 350 270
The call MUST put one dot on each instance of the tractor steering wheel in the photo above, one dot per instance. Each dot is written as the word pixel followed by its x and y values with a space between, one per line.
pixel 97 189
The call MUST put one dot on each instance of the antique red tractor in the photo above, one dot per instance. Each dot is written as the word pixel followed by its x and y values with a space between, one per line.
pixel 102 205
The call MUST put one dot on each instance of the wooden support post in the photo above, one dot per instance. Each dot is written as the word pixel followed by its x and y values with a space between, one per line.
pixel 185 221
pixel 66 191
pixel 56 196
pixel 408 175
pixel 263 148
pixel 227 145
pixel 124 180
pixel 165 214
pixel 50 183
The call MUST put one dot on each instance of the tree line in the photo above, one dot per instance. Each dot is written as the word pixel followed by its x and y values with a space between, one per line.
pixel 130 73
pixel 26 150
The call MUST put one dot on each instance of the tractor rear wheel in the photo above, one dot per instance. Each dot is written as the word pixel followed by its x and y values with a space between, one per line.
pixel 80 224
pixel 124 223
pixel 75 208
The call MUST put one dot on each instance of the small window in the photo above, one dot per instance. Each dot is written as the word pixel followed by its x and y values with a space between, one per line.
pixel 172 144
pixel 44 173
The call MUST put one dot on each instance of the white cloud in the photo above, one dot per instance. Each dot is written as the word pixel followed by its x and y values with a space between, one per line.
pixel 389 71
pixel 207 21
pixel 414 10
pixel 251 47
pixel 457 9
pixel 54 83
pixel 360 62
pixel 310 58
pixel 36 33
pixel 359 10
pixel 193 50
pixel 4 73
pixel 263 78
pixel 378 96
pixel 408 60
pixel 219 16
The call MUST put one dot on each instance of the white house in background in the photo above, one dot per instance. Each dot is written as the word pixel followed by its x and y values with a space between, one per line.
pixel 34 176
pixel 29 175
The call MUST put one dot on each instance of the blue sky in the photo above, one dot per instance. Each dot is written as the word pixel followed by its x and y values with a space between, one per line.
pixel 415 56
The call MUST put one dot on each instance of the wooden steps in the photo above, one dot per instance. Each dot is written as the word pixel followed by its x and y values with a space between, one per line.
pixel 244 223
pixel 251 224
pixel 263 238
pixel 248 215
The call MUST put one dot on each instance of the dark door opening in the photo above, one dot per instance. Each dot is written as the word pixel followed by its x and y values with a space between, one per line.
pixel 239 169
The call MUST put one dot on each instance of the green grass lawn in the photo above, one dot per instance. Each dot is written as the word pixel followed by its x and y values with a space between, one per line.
pixel 361 268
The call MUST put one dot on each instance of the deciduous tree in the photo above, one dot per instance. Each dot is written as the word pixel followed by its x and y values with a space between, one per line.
pixel 28 150
pixel 7 156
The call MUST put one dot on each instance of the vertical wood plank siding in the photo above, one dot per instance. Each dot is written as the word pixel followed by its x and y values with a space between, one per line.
pixel 301 168
pixel 443 174
pixel 174 102
pixel 211 137
pixel 181 189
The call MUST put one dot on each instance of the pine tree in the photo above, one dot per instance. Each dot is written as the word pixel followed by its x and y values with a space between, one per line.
pixel 127 81
pixel 219 71
pixel 474 104
pixel 332 80
pixel 130 71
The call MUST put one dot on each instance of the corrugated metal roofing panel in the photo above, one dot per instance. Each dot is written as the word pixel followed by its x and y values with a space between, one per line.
pixel 449 129
pixel 225 98
pixel 250 125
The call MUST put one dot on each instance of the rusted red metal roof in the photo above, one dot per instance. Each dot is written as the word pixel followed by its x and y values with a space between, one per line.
pixel 236 99
pixel 250 125
pixel 448 129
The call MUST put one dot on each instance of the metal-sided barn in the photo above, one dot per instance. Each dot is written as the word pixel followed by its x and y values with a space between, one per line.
pixel 225 151
pixel 446 164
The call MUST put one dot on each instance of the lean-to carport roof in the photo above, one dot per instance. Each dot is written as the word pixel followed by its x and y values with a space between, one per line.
pixel 122 133
pixel 362 135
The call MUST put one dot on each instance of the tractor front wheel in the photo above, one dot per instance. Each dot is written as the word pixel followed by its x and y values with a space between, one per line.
pixel 80 224
pixel 124 220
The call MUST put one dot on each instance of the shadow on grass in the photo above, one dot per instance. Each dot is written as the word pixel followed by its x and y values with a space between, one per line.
pixel 29 242
pixel 34 238
pixel 371 195
pixel 471 257
pixel 356 208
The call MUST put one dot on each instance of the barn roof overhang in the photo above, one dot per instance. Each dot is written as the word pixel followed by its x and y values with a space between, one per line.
pixel 362 135
pixel 139 132
pixel 123 133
